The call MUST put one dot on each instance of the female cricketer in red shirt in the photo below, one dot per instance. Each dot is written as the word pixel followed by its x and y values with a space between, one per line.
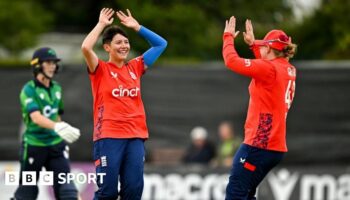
pixel 271 94
pixel 119 116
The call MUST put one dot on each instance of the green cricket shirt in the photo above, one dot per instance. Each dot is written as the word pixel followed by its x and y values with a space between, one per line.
pixel 35 96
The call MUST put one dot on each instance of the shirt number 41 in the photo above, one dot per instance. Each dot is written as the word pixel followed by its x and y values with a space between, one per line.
pixel 289 95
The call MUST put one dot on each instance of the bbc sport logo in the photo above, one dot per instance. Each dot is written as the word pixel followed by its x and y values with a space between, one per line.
pixel 47 178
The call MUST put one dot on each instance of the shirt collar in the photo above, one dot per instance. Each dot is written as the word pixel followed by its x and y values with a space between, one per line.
pixel 39 84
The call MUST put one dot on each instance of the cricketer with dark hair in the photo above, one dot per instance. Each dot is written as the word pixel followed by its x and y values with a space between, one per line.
pixel 119 117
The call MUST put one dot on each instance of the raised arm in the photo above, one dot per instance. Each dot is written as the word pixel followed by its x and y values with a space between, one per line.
pixel 249 33
pixel 158 44
pixel 254 68
pixel 105 19
pixel 249 38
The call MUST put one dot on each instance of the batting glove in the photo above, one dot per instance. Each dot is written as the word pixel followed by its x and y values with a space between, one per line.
pixel 67 132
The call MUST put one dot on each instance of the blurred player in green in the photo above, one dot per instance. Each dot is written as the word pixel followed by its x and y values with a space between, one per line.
pixel 45 137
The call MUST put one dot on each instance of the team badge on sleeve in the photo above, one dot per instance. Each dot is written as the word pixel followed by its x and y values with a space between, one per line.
pixel 291 71
pixel 29 100
pixel 58 95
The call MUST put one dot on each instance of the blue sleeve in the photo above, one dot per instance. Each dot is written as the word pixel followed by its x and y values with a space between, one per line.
pixel 158 45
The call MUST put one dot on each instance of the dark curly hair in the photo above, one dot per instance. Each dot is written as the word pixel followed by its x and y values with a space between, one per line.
pixel 110 32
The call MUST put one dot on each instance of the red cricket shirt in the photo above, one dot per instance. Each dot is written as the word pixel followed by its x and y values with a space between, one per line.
pixel 271 94
pixel 117 105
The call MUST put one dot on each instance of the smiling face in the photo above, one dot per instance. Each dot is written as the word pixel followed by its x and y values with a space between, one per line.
pixel 118 48
pixel 49 68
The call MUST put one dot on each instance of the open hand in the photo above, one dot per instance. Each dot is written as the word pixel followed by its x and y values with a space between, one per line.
pixel 128 20
pixel 106 16
pixel 230 26
pixel 249 33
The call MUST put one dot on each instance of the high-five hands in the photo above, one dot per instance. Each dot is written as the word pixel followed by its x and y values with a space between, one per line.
pixel 249 33
pixel 106 16
pixel 230 26
pixel 67 132
pixel 128 20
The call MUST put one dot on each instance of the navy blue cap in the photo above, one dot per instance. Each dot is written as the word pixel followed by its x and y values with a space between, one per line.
pixel 44 54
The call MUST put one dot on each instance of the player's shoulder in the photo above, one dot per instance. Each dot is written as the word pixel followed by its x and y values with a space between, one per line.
pixel 29 86
pixel 28 89
pixel 137 60
pixel 266 67
pixel 30 83
pixel 291 71
pixel 293 67
pixel 102 63
pixel 55 83
pixel 136 64
pixel 287 69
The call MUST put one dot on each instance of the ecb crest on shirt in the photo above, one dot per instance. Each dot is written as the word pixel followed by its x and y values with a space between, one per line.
pixel 133 76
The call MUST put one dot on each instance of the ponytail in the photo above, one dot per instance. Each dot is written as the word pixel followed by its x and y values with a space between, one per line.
pixel 288 51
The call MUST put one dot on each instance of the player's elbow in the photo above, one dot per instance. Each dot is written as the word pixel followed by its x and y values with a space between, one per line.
pixel 164 44
pixel 85 48
pixel 36 118
pixel 161 46
pixel 228 62
pixel 153 54
pixel 232 65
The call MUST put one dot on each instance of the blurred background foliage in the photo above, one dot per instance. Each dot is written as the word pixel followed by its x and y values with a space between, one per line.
pixel 193 28
pixel 21 21
pixel 326 33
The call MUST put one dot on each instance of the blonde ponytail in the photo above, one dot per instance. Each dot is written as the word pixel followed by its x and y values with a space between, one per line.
pixel 288 52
